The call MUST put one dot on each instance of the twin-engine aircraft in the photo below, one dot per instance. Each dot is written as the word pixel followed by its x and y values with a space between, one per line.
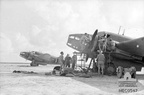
pixel 38 58
pixel 127 52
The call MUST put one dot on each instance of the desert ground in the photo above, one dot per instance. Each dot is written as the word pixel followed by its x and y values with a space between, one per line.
pixel 41 84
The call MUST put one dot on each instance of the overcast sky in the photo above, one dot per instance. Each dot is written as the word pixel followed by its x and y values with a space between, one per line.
pixel 44 25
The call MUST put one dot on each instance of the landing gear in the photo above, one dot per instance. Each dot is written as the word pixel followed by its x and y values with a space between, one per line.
pixel 56 68
pixel 120 72
pixel 33 63
pixel 111 69
pixel 133 72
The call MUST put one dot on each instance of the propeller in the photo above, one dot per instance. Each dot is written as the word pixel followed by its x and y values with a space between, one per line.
pixel 93 37
pixel 91 44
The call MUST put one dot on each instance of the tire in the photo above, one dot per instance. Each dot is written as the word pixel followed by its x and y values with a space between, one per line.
pixel 133 72
pixel 33 63
pixel 119 72
pixel 111 69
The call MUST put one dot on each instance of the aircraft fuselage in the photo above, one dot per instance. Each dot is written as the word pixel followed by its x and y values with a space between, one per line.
pixel 128 51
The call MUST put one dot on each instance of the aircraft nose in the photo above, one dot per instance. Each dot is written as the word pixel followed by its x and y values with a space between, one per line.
pixel 22 54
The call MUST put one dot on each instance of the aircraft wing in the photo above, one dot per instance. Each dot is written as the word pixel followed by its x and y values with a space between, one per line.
pixel 134 47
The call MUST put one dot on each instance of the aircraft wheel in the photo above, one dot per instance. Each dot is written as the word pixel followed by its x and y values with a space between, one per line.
pixel 33 63
pixel 111 69
pixel 133 72
pixel 119 72
pixel 55 69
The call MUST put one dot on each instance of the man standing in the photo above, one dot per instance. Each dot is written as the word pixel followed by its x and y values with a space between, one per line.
pixel 84 40
pixel 74 60
pixel 101 61
pixel 61 60
pixel 67 60
pixel 101 44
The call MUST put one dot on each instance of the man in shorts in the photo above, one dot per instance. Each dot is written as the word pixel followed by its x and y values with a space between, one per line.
pixel 101 61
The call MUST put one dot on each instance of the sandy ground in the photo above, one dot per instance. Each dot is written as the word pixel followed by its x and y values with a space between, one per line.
pixel 41 84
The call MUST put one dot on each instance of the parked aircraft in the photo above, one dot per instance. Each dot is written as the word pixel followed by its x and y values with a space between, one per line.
pixel 38 58
pixel 127 52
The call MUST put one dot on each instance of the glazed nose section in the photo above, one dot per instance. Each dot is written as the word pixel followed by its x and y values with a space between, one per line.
pixel 74 41
pixel 23 54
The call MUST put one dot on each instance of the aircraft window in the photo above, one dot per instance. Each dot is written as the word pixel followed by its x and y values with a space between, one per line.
pixel 69 44
pixel 77 38
pixel 72 37
pixel 74 47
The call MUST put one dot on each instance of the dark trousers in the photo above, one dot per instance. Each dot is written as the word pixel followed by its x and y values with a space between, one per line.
pixel 73 64
pixel 67 64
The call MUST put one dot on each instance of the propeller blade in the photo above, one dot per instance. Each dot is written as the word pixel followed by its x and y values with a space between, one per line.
pixel 90 45
pixel 93 37
pixel 95 33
